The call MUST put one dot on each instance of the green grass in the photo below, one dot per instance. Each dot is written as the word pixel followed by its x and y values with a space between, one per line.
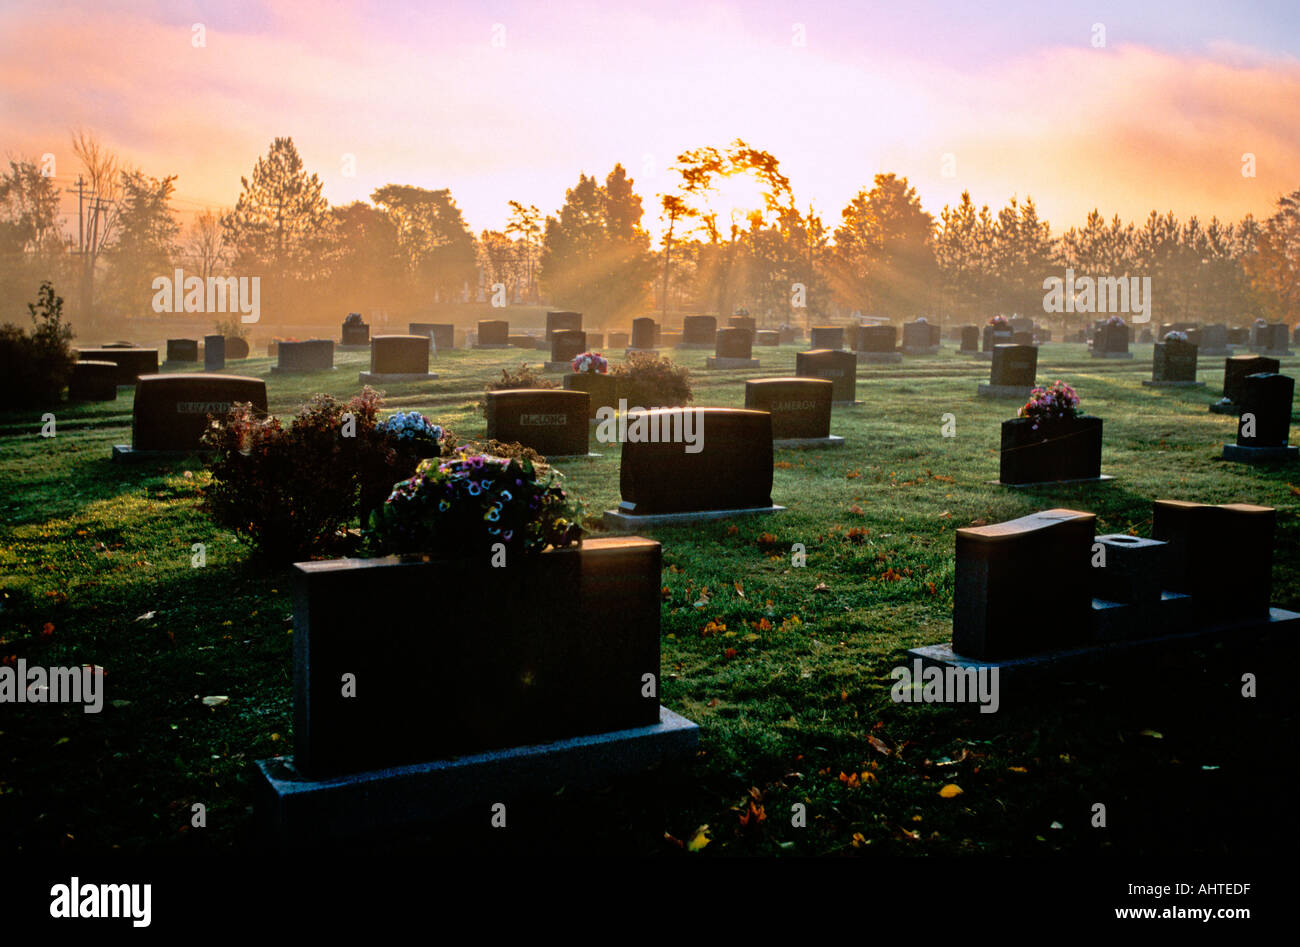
pixel 792 693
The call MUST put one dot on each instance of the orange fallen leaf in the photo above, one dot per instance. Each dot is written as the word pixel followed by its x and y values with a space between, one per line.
pixel 950 791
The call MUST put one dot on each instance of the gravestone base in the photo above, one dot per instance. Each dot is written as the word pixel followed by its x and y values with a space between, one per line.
pixel 126 454
pixel 920 350
pixel 807 443
pixel 1010 392
pixel 1172 384
pixel 615 519
pixel 295 809
pixel 352 348
pixel 502 345
pixel 277 370
pixel 1095 354
pixel 1050 483
pixel 1052 664
pixel 629 350
pixel 1260 455
pixel 724 363
pixel 695 346
pixel 379 378
pixel 881 357
pixel 1224 406
pixel 1116 621
pixel 846 404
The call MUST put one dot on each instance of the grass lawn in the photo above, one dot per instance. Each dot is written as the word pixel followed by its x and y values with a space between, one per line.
pixel 785 669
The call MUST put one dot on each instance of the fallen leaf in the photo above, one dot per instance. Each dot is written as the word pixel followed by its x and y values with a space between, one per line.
pixel 146 616
pixel 740 588
pixel 821 587
pixel 700 839
pixel 1154 734
pixel 950 791
pixel 878 744
pixel 216 700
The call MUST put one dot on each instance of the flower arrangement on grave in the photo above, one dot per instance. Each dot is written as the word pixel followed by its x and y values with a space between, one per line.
pixel 411 427
pixel 592 362
pixel 1116 321
pixel 1000 322
pixel 1053 404
pixel 525 377
pixel 1174 335
pixel 464 505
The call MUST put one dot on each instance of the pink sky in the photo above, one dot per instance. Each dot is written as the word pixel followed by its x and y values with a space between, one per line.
pixel 1025 104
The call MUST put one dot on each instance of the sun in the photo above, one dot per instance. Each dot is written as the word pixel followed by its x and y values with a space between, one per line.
pixel 735 196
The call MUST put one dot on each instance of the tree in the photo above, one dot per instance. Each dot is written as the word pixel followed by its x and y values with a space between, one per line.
pixel 964 255
pixel 146 241
pixel 1274 266
pixel 435 244
pixel 526 226
pixel 102 171
pixel 30 243
pixel 206 244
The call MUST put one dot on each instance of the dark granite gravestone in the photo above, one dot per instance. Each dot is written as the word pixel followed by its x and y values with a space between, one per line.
pixel 1131 570
pixel 1022 338
pixel 1065 449
pixel 800 409
pixel 1275 339
pixel 1222 556
pixel 93 381
pixel 644 334
pixel 1264 425
pixel 731 470
pixel 171 411
pixel 398 358
pixel 356 332
pixel 493 334
pixel 743 322
pixel 1214 340
pixel 1013 372
pixel 1001 609
pixel 311 355
pixel 669 338
pixel 995 335
pixel 878 344
pixel 839 368
pixel 1238 335
pixel 787 334
pixel 1021 324
pixel 566 345
pixel 442 333
pixel 558 663
pixel 1235 371
pixel 827 337
pixel 734 348
pixel 603 390
pixel 552 421
pixel 970 339
pixel 1110 341
pixel 214 353
pixel 182 350
pixel 921 337
pixel 562 319
pixel 595 341
pixel 132 363
pixel 236 347
pixel 1173 364
pixel 618 340
pixel 767 337
pixel 699 331
pixel 525 341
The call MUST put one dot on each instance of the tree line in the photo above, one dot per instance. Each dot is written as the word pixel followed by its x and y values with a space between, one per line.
pixel 409 249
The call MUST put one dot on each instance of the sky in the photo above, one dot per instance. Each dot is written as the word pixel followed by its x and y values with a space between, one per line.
pixel 1124 107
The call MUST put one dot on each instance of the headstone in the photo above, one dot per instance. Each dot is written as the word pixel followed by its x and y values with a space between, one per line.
pixel 732 470
pixel 1022 338
pixel 398 358
pixel 996 335
pixel 171 411
pixel 800 407
pixel 356 333
pixel 1264 426
pixel 1236 369
pixel 999 609
pixel 1222 556
pixel 562 319
pixel 131 362
pixel 93 381
pixel 552 421
pixel 493 334
pixel 644 333
pixel 1061 450
pixel 182 350
pixel 827 337
pixel 669 338
pixel 920 337
pixel 442 333
pixel 603 390
pixel 970 339
pixel 767 337
pixel 787 334
pixel 566 345
pixel 839 368
pixel 311 355
pixel 699 331
pixel 236 347
pixel 618 340
pixel 734 348
pixel 214 353
pixel 1021 324
pixel 1238 335
pixel 522 340
pixel 1111 341
pixel 878 344
pixel 743 322
pixel 1012 373
pixel 1173 363
pixel 1214 340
